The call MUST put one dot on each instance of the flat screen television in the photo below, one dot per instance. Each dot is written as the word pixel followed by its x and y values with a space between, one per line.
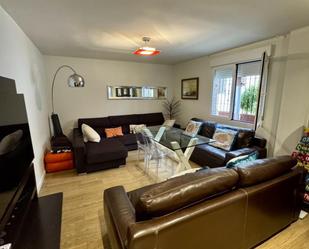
pixel 16 152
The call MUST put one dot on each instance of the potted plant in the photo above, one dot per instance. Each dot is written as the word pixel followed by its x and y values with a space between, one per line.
pixel 171 108
pixel 248 104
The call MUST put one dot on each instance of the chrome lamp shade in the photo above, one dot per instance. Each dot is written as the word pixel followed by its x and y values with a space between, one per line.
pixel 75 80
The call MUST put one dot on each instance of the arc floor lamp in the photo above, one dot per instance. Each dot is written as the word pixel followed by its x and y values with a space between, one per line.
pixel 74 80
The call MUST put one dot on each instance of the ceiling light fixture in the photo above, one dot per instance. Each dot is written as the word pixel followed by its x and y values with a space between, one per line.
pixel 146 51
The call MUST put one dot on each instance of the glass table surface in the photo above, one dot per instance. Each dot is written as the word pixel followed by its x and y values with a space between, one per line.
pixel 172 134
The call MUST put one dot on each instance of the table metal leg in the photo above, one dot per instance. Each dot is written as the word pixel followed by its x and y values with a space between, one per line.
pixel 184 156
pixel 160 134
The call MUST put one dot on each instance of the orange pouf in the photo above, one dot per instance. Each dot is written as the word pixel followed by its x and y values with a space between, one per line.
pixel 54 167
pixel 58 161
pixel 58 157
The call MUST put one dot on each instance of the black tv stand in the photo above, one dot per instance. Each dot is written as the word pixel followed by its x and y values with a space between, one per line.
pixel 32 222
pixel 42 225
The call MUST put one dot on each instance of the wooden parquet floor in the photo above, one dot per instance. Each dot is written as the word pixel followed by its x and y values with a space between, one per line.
pixel 82 218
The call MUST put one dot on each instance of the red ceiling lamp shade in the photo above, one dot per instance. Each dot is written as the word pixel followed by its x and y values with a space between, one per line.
pixel 146 50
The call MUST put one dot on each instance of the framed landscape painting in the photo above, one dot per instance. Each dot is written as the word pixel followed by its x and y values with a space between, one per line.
pixel 189 88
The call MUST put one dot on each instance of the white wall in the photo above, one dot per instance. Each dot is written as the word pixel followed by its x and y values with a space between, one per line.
pixel 22 61
pixel 287 103
pixel 91 101
pixel 294 112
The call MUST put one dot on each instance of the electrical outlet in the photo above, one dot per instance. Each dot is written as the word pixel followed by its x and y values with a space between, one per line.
pixel 6 246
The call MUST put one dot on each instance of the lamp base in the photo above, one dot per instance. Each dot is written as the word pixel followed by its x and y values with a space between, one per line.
pixel 56 125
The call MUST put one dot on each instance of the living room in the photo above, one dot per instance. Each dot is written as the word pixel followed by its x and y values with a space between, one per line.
pixel 197 43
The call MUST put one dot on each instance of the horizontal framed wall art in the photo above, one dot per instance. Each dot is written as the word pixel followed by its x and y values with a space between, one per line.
pixel 189 88
pixel 136 92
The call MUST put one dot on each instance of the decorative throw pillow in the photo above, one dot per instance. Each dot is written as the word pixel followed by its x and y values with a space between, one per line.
pixel 10 142
pixel 169 123
pixel 90 134
pixel 113 132
pixel 137 128
pixel 192 128
pixel 241 160
pixel 224 139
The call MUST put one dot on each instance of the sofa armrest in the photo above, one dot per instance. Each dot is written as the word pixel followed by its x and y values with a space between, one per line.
pixel 262 151
pixel 119 215
pixel 79 151
pixel 259 142
pixel 236 153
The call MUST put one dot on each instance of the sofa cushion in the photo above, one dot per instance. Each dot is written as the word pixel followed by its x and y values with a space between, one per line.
pixel 183 191
pixel 124 121
pixel 95 123
pixel 264 169
pixel 242 160
pixel 106 150
pixel 151 119
pixel 244 136
pixel 98 124
pixel 113 132
pixel 224 139
pixel 207 129
pixel 136 128
pixel 192 129
pixel 89 134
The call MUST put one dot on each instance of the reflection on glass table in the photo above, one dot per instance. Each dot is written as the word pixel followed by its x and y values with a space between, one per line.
pixel 174 139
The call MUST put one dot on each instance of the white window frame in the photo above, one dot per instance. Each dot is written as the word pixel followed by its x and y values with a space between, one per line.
pixel 234 66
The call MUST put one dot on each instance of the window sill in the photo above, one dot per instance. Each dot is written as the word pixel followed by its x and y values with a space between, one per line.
pixel 228 121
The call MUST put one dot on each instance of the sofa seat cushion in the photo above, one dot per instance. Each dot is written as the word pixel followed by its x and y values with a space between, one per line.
pixel 184 191
pixel 106 150
pixel 263 170
pixel 207 155
pixel 126 139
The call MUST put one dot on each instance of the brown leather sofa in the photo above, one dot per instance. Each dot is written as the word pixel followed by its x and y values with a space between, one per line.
pixel 217 208
pixel 109 152
pixel 245 143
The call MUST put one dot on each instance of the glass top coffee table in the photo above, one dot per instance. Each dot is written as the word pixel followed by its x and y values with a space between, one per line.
pixel 174 139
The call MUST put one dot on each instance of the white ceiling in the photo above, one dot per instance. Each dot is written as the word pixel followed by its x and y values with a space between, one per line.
pixel 181 29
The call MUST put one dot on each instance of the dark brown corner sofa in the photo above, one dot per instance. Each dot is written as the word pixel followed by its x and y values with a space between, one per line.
pixel 112 152
pixel 216 208
pixel 245 143
pixel 109 152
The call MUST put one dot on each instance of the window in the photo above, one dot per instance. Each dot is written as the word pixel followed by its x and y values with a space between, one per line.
pixel 222 91
pixel 236 91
